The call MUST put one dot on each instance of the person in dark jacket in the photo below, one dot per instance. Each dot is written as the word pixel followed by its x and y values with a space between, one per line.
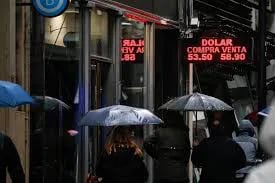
pixel 122 159
pixel 10 160
pixel 170 148
pixel 245 138
pixel 219 156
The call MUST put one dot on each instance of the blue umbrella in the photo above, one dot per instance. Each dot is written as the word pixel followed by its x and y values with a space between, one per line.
pixel 12 95
pixel 119 115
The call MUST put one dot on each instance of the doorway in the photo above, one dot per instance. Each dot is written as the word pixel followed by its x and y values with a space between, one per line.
pixel 100 96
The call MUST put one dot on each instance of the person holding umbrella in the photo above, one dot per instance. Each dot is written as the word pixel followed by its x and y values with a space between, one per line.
pixel 219 156
pixel 11 95
pixel 170 147
pixel 10 160
pixel 122 159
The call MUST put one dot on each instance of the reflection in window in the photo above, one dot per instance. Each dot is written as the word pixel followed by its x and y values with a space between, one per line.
pixel 132 67
pixel 132 29
pixel 132 63
pixel 62 31
pixel 99 33
pixel 58 28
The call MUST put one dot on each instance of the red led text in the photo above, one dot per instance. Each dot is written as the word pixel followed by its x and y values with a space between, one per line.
pixel 216 49
pixel 132 50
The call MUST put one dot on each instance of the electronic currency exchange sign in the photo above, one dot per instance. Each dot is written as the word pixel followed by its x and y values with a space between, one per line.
pixel 216 50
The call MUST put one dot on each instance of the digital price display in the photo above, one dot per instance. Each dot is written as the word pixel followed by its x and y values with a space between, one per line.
pixel 132 50
pixel 216 49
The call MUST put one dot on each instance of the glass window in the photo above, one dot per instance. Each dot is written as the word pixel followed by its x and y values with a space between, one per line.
pixel 102 72
pixel 63 30
pixel 132 62
pixel 99 33
pixel 132 67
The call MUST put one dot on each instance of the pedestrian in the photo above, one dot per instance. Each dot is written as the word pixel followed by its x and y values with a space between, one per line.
pixel 219 156
pixel 245 138
pixel 227 118
pixel 122 159
pixel 264 173
pixel 10 160
pixel 169 146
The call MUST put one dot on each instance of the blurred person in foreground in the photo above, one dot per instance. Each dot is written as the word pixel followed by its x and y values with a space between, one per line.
pixel 265 173
pixel 170 148
pixel 10 160
pixel 122 159
pixel 219 156
pixel 246 139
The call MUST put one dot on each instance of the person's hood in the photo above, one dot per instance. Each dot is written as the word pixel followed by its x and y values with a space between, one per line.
pixel 267 132
pixel 246 127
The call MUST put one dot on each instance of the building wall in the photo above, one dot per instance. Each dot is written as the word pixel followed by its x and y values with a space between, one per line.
pixel 7 55
pixel 14 57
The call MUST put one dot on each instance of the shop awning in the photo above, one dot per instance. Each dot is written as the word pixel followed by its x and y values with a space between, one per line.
pixel 135 13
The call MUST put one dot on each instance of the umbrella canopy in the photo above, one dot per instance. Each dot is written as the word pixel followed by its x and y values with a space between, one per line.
pixel 50 103
pixel 196 102
pixel 119 115
pixel 12 95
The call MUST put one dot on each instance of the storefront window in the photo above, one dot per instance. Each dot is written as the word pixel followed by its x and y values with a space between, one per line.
pixel 132 67
pixel 99 33
pixel 102 74
pixel 132 63
pixel 55 74
pixel 63 30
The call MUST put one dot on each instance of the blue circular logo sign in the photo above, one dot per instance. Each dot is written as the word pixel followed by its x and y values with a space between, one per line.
pixel 50 8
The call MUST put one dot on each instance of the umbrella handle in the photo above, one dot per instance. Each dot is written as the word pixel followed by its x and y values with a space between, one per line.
pixel 196 131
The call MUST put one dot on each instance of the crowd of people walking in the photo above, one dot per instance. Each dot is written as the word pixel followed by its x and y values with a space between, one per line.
pixel 222 159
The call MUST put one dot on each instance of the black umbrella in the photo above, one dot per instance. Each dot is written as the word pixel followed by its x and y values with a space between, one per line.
pixel 49 103
pixel 196 102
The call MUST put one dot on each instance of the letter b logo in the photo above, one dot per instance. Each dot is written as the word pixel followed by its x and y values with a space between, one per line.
pixel 49 2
